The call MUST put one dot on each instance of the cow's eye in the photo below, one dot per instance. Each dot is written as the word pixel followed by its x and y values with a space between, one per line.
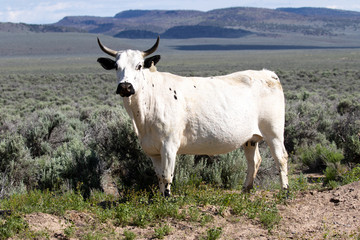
pixel 138 67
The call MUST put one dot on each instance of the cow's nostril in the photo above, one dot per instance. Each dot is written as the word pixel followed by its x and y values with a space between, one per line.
pixel 125 89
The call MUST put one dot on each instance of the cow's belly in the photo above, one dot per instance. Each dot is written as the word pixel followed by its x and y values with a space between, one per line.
pixel 211 147
pixel 215 138
pixel 219 128
pixel 203 138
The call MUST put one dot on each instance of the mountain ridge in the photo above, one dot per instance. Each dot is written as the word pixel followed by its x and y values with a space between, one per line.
pixel 222 23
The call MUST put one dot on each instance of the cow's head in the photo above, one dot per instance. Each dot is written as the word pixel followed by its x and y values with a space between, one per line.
pixel 129 65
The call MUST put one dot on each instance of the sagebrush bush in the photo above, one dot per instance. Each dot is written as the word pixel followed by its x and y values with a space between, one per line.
pixel 112 138
pixel 307 122
pixel 318 157
pixel 225 170
pixel 346 130
pixel 43 131
pixel 51 172
pixel 82 168
pixel 187 172
pixel 17 168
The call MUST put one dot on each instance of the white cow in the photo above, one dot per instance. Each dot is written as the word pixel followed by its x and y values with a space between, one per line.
pixel 194 115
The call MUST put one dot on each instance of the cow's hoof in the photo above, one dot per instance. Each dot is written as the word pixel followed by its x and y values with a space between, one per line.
pixel 286 193
pixel 247 189
pixel 167 193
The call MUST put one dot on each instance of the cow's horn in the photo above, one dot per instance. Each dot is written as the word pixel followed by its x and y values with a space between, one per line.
pixel 106 49
pixel 152 49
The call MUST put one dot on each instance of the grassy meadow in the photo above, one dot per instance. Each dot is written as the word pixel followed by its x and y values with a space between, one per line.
pixel 64 133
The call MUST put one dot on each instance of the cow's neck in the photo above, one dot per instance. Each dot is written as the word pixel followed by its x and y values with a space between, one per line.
pixel 140 105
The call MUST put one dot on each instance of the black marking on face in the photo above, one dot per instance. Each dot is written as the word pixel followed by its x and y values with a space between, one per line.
pixel 175 92
pixel 194 86
pixel 170 89
pixel 175 97
pixel 153 85
pixel 107 63
pixel 151 60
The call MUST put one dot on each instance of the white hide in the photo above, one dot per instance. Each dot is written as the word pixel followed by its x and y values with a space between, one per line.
pixel 193 115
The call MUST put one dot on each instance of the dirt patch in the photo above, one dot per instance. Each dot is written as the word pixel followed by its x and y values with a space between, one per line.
pixel 316 215
pixel 312 215
pixel 54 226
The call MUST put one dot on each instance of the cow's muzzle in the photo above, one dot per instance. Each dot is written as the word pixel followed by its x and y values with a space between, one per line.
pixel 125 89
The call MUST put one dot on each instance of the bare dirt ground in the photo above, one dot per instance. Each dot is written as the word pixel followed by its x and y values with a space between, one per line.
pixel 330 214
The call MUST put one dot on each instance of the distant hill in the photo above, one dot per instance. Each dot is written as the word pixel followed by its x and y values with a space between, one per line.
pixel 321 12
pixel 22 27
pixel 183 32
pixel 222 23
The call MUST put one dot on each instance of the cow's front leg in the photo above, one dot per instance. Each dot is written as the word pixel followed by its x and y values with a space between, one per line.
pixel 164 167
pixel 158 170
pixel 168 158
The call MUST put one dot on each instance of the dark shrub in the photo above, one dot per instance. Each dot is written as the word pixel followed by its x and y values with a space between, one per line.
pixel 112 137
pixel 17 168
pixel 346 130
pixel 307 123
pixel 225 170
pixel 318 157
pixel 43 131
pixel 82 168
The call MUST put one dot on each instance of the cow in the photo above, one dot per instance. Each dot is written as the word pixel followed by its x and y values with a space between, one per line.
pixel 174 115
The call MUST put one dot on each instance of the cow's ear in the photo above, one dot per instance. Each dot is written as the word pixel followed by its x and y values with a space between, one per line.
pixel 147 61
pixel 107 63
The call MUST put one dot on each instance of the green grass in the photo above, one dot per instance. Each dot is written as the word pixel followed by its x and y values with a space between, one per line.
pixel 141 209
pixel 45 201
pixel 162 231
pixel 129 235
pixel 213 234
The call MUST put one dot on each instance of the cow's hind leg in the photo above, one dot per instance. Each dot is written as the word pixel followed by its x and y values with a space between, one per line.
pixel 280 155
pixel 253 158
